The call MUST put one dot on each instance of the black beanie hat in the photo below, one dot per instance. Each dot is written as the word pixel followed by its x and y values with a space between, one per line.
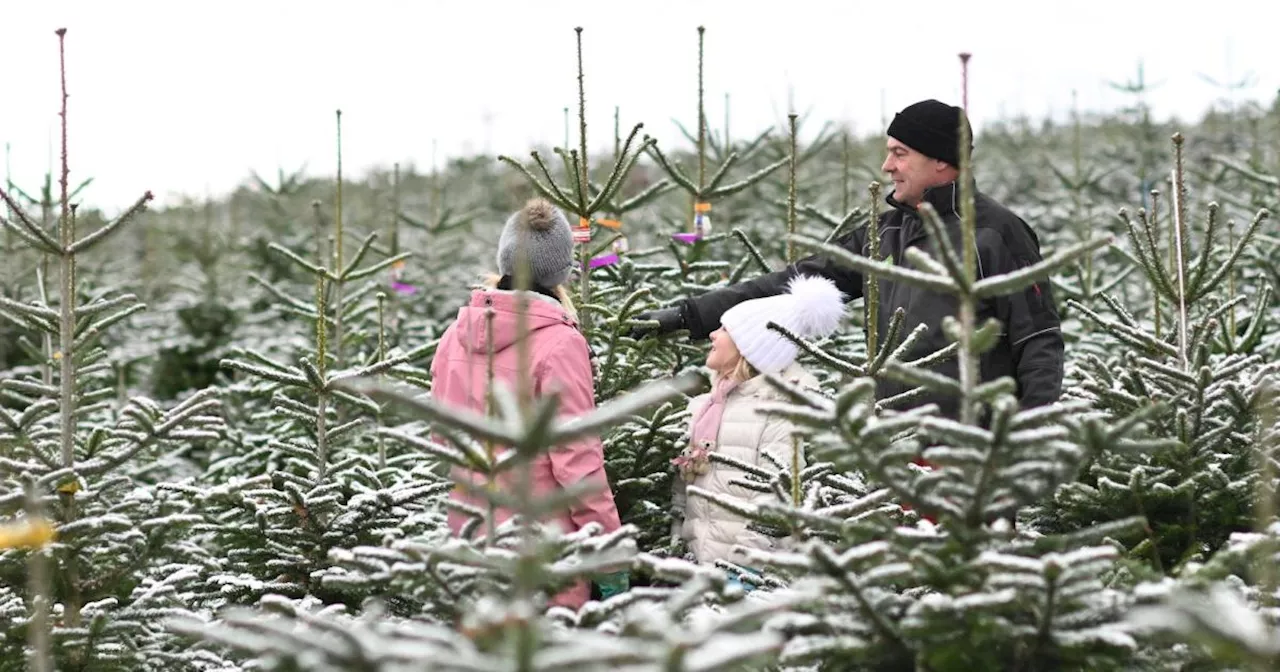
pixel 932 128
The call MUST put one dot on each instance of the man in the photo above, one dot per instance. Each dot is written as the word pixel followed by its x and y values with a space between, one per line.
pixel 923 161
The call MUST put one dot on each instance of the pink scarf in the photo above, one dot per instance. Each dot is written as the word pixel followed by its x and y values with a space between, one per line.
pixel 706 426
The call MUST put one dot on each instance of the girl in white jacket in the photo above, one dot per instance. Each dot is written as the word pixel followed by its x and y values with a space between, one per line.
pixel 726 420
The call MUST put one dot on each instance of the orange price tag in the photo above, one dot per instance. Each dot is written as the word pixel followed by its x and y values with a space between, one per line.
pixel 702 206
pixel 609 223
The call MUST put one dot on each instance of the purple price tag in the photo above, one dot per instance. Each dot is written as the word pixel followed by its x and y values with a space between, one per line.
pixel 403 288
pixel 604 260
pixel 687 237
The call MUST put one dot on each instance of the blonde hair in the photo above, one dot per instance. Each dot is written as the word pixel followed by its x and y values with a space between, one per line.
pixel 742 371
pixel 561 292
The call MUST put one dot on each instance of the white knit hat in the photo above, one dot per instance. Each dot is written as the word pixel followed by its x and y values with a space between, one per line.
pixel 811 308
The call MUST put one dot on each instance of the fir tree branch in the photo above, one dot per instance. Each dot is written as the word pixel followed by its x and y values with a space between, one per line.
pixel 1209 321
pixel 29 310
pixel 625 161
pixel 368 405
pixel 1206 248
pixel 100 305
pixel 476 425
pixel 925 262
pixel 1244 171
pixel 852 217
pixel 345 428
pixel 580 190
pixel 946 250
pixel 95 330
pixel 561 198
pixel 989 391
pixel 676 174
pixel 911 375
pixel 28 322
pixel 356 258
pixel 862 506
pixel 551 193
pixel 473 459
pixel 617 409
pixel 739 507
pixel 897 353
pixel 1171 372
pixel 33 231
pixel 1230 263
pixel 833 567
pixel 29 387
pixel 861 264
pixel 108 229
pixel 306 265
pixel 1022 278
pixel 1125 316
pixel 1150 256
pixel 268 374
pixel 387 364
pixel 735 187
pixel 817 353
pixel 752 251
pixel 1253 335
pixel 1131 335
pixel 32 241
pixel 647 194
pixel 353 275
pixel 723 170
pixel 300 307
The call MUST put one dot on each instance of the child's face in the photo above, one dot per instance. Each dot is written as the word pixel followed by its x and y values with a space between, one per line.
pixel 724 354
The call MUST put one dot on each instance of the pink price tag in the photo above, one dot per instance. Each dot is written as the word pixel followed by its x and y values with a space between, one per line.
pixel 404 288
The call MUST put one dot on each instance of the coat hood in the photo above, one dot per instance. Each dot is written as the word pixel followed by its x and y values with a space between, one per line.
pixel 473 324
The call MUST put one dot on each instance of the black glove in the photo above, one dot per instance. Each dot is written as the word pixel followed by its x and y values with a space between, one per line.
pixel 668 319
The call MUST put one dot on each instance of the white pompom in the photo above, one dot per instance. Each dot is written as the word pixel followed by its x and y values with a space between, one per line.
pixel 818 305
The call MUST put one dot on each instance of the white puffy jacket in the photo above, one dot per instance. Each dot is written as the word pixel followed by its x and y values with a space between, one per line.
pixel 711 530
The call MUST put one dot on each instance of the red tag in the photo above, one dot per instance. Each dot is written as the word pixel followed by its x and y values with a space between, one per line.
pixel 582 232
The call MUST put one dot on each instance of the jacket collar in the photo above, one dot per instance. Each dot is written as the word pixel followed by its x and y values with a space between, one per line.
pixel 507 283
pixel 945 199
pixel 759 386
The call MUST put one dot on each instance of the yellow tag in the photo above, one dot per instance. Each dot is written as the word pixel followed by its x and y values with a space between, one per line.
pixel 70 487
pixel 27 534
pixel 57 355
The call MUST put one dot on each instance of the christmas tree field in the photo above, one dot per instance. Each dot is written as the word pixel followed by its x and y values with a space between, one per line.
pixel 218 450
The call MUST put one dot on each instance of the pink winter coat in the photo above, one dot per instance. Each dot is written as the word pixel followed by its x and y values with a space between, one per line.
pixel 559 360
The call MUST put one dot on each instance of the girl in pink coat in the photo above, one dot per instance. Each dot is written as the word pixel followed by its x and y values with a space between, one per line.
pixel 558 361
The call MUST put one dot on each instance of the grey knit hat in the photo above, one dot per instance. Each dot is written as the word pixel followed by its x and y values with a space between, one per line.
pixel 544 231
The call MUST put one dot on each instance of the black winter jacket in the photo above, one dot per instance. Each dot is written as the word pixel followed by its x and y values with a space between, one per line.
pixel 1030 349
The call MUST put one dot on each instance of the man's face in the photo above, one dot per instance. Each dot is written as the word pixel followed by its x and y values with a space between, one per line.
pixel 912 172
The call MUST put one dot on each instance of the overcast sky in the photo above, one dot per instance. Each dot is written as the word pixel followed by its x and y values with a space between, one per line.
pixel 184 97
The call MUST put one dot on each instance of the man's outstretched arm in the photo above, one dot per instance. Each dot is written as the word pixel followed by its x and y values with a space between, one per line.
pixel 701 314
